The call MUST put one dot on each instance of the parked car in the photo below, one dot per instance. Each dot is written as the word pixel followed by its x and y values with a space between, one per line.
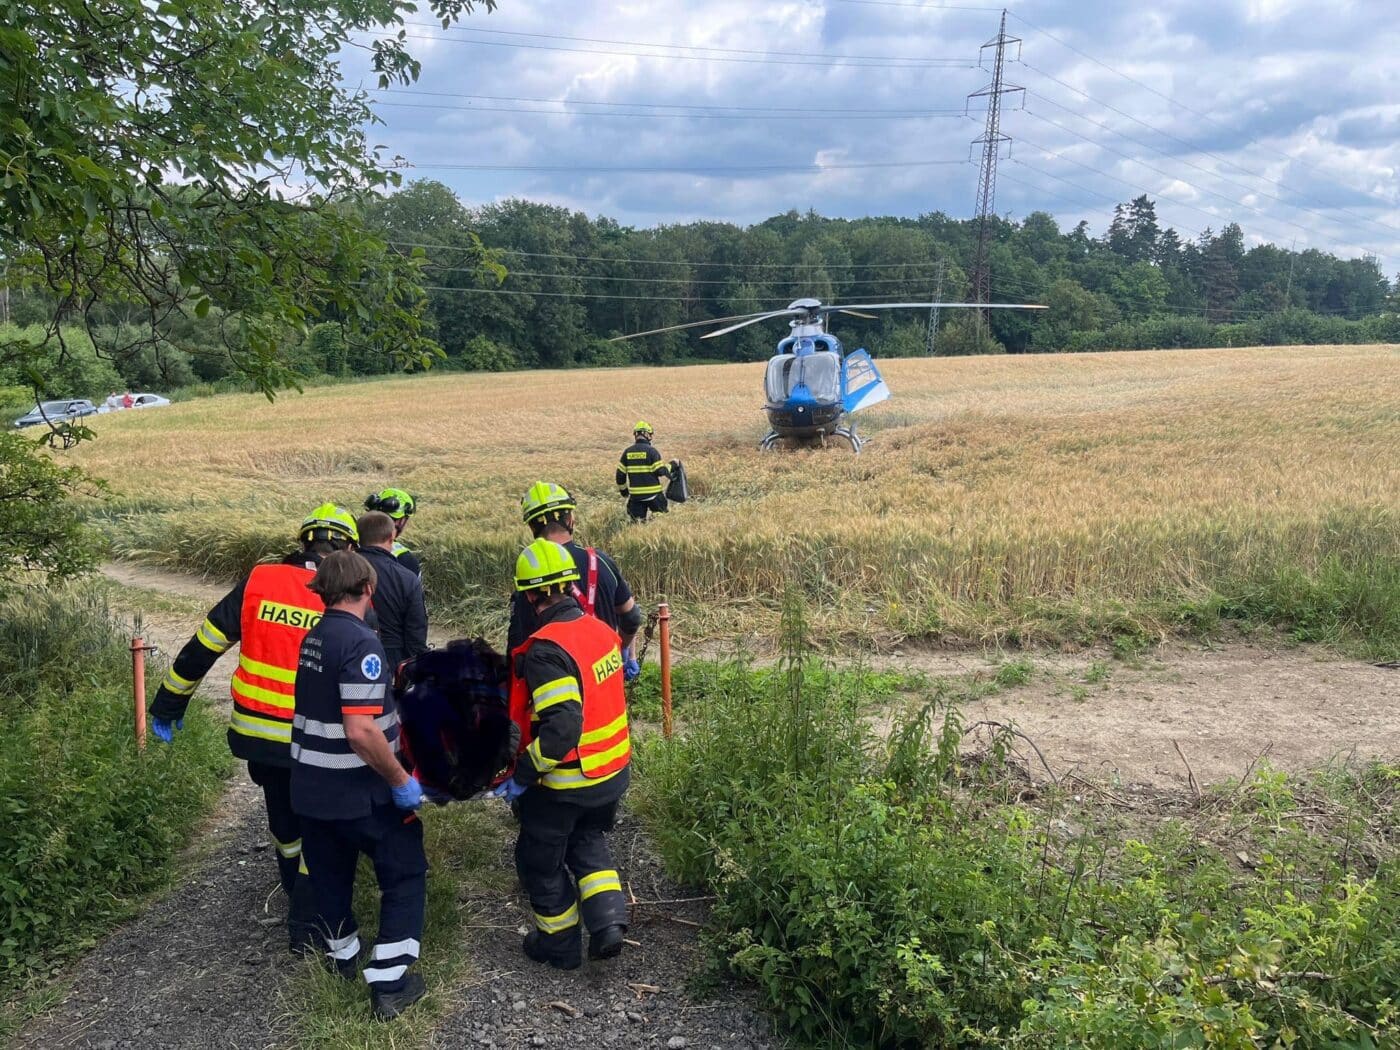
pixel 57 412
pixel 137 401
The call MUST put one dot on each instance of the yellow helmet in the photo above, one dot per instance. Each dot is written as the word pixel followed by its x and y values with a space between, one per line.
pixel 329 522
pixel 394 502
pixel 544 564
pixel 545 498
pixel 642 427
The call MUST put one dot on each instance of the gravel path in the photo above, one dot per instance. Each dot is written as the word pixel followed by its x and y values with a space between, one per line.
pixel 641 999
pixel 203 965
pixel 197 969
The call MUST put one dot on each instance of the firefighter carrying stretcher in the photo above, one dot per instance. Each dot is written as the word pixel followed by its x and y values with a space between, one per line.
pixel 268 614
pixel 573 769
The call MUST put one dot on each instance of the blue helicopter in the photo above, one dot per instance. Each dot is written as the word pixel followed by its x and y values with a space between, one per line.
pixel 812 385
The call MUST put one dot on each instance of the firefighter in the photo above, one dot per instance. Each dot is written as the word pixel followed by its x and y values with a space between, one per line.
pixel 548 510
pixel 400 506
pixel 398 598
pixel 572 769
pixel 352 793
pixel 640 473
pixel 267 614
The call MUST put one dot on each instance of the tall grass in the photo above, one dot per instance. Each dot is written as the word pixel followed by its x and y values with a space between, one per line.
pixel 89 823
pixel 1006 498
pixel 901 895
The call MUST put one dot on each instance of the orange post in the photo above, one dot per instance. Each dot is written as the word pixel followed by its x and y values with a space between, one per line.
pixel 138 688
pixel 663 615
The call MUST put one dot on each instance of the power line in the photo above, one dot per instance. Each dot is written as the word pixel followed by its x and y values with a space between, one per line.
pixel 666 262
pixel 1168 175
pixel 1181 142
pixel 680 47
pixel 1161 193
pixel 667 105
pixel 824 62
pixel 913 280
pixel 786 117
pixel 921 7
pixel 815 169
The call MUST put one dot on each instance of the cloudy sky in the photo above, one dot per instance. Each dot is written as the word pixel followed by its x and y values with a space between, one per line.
pixel 1281 114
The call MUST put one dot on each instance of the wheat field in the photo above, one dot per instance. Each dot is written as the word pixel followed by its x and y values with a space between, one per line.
pixel 995 496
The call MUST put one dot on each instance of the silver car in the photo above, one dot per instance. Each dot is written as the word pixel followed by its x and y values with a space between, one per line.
pixel 115 403
pixel 57 412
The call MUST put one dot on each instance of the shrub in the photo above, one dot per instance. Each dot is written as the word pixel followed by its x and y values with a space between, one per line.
pixel 482 354
pixel 90 823
pixel 894 894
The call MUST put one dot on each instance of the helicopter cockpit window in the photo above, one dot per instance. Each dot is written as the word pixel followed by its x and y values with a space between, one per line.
pixel 820 371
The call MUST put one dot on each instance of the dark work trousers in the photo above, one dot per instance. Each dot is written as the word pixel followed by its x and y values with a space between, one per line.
pixel 393 840
pixel 638 507
pixel 285 827
pixel 565 865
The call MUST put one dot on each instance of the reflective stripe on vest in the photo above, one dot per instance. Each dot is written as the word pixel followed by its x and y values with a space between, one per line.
pixel 605 744
pixel 278 611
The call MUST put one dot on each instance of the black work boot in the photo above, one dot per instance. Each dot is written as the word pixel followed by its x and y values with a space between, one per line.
pixel 385 1006
pixel 606 943
pixel 535 948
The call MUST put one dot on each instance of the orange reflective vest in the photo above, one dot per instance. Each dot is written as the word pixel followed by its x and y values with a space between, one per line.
pixel 278 611
pixel 605 744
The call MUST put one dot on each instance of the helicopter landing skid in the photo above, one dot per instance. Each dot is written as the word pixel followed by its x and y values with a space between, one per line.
pixel 847 434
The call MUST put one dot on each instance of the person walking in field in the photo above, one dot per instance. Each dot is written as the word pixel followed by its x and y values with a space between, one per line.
pixel 400 506
pixel 399 605
pixel 639 475
pixel 351 792
pixel 573 767
pixel 267 614
pixel 549 510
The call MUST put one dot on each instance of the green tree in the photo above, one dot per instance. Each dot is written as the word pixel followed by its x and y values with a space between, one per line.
pixel 201 155
pixel 40 527
pixel 177 159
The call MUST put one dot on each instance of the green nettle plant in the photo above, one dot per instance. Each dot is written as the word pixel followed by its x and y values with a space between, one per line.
pixel 893 890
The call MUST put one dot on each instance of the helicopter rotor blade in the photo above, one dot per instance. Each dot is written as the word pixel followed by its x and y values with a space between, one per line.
pixel 929 306
pixel 680 327
pixel 857 313
pixel 754 320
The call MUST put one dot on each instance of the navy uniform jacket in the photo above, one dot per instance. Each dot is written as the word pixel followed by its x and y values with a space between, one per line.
pixel 399 605
pixel 612 592
pixel 640 470
pixel 342 671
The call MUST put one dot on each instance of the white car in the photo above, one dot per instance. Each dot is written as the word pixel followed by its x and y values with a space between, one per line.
pixel 137 401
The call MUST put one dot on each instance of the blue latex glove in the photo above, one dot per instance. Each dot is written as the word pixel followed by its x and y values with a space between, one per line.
pixel 510 790
pixel 409 794
pixel 164 729
pixel 631 670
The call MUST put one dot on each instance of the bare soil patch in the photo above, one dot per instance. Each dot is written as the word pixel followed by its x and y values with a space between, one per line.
pixel 1225 706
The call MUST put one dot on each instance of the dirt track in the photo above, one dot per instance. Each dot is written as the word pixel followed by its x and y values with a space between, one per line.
pixel 202 967
pixel 1225 706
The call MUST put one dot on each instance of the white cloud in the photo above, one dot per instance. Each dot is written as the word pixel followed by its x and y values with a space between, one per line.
pixel 1279 114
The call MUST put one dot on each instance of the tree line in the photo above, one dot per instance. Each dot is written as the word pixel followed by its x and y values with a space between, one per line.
pixel 520 284
pixel 574 282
